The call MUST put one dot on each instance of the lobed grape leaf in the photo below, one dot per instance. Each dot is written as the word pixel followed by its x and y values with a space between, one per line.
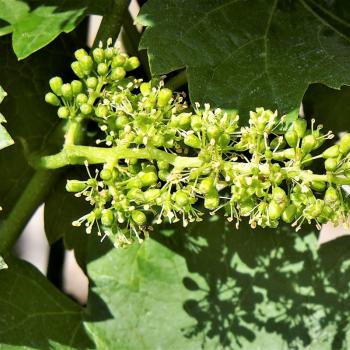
pixel 211 286
pixel 248 53
pixel 30 120
pixel 5 138
pixel 34 27
pixel 34 315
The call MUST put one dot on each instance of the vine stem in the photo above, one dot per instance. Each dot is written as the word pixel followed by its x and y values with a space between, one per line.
pixel 75 155
pixel 33 195
pixel 42 181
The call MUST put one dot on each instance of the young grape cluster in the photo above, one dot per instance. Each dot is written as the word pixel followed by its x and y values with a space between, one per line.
pixel 168 159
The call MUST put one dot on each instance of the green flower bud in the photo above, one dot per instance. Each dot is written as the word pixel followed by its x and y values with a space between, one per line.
pixel 275 210
pixel 117 73
pixel 319 186
pixel 107 217
pixel 163 165
pixel 288 214
pixel 86 108
pixel 139 217
pixel 56 85
pixel 163 174
pixel 91 82
pixel 134 182
pixel 192 141
pixel 181 198
pixel 289 153
pixel 118 61
pixel 145 89
pixel 106 174
pixel 81 99
pixel 206 185
pixel 148 179
pixel 307 160
pixel 86 64
pixel 331 164
pixel 101 111
pixel 77 87
pixel 79 54
pixel 109 53
pixel 151 195
pixel 291 137
pixel 184 121
pixel 224 140
pixel 158 140
pixel 52 99
pixel 279 196
pixel 344 144
pixel 331 196
pixel 67 91
pixel 63 112
pixel 331 152
pixel 211 200
pixel 308 143
pixel 121 121
pixel 102 69
pixel 299 126
pixel 213 132
pixel 77 69
pixel 75 186
pixel 132 63
pixel 196 122
pixel 98 54
pixel 135 194
pixel 246 207
pixel 164 97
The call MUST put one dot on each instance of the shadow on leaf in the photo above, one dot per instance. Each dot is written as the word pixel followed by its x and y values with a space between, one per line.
pixel 264 281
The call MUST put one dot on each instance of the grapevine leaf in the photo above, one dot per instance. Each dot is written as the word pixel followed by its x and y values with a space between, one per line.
pixel 30 120
pixel 34 28
pixel 5 138
pixel 32 308
pixel 330 107
pixel 249 53
pixel 211 286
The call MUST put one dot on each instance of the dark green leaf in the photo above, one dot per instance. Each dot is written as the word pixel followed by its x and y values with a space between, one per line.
pixel 30 120
pixel 249 53
pixel 61 209
pixel 213 286
pixel 34 315
pixel 330 107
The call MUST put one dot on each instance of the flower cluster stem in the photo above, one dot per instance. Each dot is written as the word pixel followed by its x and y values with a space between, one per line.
pixel 75 155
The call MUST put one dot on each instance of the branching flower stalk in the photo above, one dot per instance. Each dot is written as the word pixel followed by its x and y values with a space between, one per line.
pixel 161 158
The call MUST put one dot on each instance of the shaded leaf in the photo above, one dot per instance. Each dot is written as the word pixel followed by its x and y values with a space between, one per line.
pixel 34 315
pixel 251 53
pixel 211 286
pixel 30 120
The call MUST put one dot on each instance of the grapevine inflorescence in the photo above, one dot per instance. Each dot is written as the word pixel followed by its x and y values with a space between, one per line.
pixel 164 160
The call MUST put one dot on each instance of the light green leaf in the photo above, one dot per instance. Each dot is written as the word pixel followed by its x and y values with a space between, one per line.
pixel 211 286
pixel 35 27
pixel 5 138
pixel 3 264
pixel 43 25
pixel 249 53
pixel 34 314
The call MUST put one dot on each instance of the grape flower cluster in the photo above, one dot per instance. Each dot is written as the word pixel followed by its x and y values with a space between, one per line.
pixel 168 161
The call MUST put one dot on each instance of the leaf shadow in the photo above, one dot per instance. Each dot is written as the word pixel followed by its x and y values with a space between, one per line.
pixel 253 282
